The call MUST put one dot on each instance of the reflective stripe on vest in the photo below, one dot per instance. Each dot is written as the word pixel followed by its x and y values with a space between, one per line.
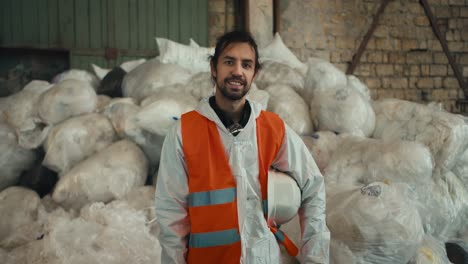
pixel 214 235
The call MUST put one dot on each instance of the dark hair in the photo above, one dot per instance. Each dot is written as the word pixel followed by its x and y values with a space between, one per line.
pixel 234 37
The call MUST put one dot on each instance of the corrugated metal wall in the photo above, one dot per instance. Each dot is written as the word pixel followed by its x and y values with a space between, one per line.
pixel 87 27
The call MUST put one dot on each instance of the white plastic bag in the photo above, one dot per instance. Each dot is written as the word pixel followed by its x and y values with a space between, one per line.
pixel 142 200
pixel 122 114
pixel 149 77
pixel 273 72
pixel 291 108
pixel 321 145
pixel 376 221
pixel 105 234
pixel 161 111
pixel 23 217
pixel 279 52
pixel 76 139
pixel 445 134
pixel 431 251
pixel 14 159
pixel 20 112
pixel 359 86
pixel 200 85
pixel 195 59
pixel 363 161
pixel 66 99
pixel 442 205
pixel 461 168
pixel 342 110
pixel 107 175
pixel 128 66
pixel 260 96
pixel 321 75
pixel 80 75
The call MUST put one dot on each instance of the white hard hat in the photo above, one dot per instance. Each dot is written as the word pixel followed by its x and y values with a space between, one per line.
pixel 284 198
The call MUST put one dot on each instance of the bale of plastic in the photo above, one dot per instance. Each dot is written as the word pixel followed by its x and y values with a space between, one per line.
pixel 200 85
pixel 376 222
pixel 142 200
pixel 285 102
pixel 260 96
pixel 80 75
pixel 23 217
pixel 20 112
pixel 103 101
pixel 445 134
pixel 342 110
pixel 162 110
pixel 100 72
pixel 364 160
pixel 107 175
pixel 431 251
pixel 273 72
pixel 106 234
pixel 321 145
pixel 356 84
pixel 75 139
pixel 340 253
pixel 128 66
pixel 14 159
pixel 461 168
pixel 122 114
pixel 119 112
pixel 149 77
pixel 321 75
pixel 277 51
pixel 66 99
pixel 442 205
pixel 193 58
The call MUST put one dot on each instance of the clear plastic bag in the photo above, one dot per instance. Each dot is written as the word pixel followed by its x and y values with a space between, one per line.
pixel 377 222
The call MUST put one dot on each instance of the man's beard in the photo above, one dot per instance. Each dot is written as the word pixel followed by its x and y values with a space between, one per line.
pixel 234 96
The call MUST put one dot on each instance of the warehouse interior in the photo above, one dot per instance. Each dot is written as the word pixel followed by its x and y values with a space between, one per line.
pixel 376 89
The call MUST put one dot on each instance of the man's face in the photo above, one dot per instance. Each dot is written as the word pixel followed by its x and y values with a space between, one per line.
pixel 234 71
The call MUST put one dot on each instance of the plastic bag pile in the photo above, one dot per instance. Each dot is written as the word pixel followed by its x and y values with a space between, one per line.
pixel 396 172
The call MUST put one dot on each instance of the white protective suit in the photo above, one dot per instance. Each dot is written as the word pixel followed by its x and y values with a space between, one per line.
pixel 258 243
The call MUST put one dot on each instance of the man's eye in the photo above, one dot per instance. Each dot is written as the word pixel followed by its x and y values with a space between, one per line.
pixel 228 62
pixel 247 65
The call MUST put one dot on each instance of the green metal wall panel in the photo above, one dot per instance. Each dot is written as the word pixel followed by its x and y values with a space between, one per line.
pixel 66 23
pixel 82 27
pixel 162 13
pixel 43 20
pixel 6 7
pixel 152 6
pixel 88 27
pixel 53 26
pixel 17 23
pixel 95 22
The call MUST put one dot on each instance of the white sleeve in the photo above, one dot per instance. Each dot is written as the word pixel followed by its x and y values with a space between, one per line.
pixel 171 200
pixel 295 159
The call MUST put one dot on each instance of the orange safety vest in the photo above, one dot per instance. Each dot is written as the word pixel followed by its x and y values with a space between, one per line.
pixel 212 205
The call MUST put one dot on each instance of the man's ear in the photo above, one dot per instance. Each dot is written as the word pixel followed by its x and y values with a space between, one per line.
pixel 213 70
pixel 255 75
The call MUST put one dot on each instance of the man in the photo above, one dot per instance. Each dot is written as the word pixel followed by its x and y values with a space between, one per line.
pixel 211 186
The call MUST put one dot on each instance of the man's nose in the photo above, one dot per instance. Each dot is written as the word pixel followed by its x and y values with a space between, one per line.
pixel 237 69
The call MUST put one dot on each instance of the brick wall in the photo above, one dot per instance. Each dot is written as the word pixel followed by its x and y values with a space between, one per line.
pixel 403 58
